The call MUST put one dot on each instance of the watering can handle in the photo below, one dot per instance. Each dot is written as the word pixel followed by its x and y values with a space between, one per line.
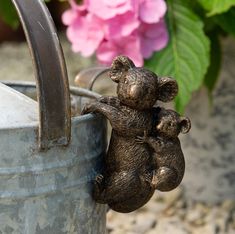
pixel 50 70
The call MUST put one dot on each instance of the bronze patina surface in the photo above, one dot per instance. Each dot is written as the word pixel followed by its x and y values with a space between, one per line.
pixel 166 150
pixel 144 154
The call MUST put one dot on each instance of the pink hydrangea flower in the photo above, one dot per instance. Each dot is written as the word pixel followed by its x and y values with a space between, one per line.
pixel 85 34
pixel 118 27
pixel 134 28
pixel 75 12
pixel 107 9
pixel 151 11
pixel 153 37
pixel 129 46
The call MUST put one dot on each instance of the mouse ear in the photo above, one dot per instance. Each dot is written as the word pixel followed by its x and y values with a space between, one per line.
pixel 185 125
pixel 167 89
pixel 120 65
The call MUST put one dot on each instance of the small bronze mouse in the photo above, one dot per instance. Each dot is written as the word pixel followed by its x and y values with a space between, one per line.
pixel 125 183
pixel 166 150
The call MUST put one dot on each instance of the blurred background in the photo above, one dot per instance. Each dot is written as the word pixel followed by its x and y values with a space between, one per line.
pixel 205 201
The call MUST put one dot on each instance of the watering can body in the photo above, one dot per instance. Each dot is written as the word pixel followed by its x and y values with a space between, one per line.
pixel 48 159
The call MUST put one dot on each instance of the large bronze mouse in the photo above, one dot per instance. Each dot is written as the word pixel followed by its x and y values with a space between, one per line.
pixel 126 181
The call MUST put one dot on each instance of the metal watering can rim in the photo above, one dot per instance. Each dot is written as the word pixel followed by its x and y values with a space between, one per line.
pixel 77 91
pixel 50 72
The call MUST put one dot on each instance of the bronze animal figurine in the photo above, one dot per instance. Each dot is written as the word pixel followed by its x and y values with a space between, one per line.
pixel 125 183
pixel 166 150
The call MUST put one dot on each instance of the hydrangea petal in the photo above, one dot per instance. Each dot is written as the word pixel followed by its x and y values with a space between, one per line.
pixel 69 16
pixel 114 3
pixel 76 11
pixel 151 11
pixel 105 11
pixel 133 51
pixel 106 52
pixel 86 34
pixel 154 37
pixel 129 46
pixel 117 26
pixel 134 28
pixel 146 48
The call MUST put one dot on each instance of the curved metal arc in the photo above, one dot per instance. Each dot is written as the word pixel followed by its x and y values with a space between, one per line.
pixel 50 71
pixel 87 77
pixel 77 91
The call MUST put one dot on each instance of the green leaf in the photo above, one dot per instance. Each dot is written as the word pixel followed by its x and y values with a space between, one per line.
pixel 227 21
pixel 8 13
pixel 186 56
pixel 216 6
pixel 215 62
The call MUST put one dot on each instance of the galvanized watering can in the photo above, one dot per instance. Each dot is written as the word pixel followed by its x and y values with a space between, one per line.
pixel 47 163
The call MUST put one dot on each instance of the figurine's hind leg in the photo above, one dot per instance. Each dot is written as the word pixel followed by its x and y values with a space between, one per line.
pixel 147 178
pixel 109 189
pixel 98 189
pixel 165 179
pixel 117 187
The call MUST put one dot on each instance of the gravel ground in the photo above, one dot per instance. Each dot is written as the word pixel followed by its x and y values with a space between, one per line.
pixel 170 213
pixel 166 213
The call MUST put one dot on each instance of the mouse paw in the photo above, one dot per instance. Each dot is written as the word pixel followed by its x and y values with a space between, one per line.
pixel 98 193
pixel 99 178
pixel 102 99
pixel 155 180
pixel 88 108
pixel 142 139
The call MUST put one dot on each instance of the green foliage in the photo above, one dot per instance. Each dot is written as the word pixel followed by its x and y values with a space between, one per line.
pixel 186 57
pixel 214 7
pixel 227 21
pixel 193 54
pixel 215 62
pixel 8 13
